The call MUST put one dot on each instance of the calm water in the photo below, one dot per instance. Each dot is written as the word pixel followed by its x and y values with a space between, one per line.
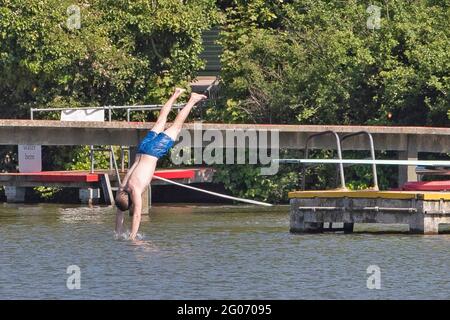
pixel 208 253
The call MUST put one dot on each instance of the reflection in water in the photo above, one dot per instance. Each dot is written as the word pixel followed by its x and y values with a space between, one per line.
pixel 80 214
pixel 215 252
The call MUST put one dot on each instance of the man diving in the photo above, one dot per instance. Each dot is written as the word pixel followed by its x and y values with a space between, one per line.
pixel 155 145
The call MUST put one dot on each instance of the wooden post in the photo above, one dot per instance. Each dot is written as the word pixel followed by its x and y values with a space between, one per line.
pixel 133 151
pixel 15 194
pixel 146 200
pixel 106 189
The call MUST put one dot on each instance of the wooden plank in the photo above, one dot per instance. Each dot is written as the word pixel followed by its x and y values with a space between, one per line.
pixel 50 176
pixel 353 194
pixel 399 195
pixel 106 188
pixel 32 184
pixel 176 174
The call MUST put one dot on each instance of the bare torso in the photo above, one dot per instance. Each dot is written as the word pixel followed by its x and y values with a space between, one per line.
pixel 142 173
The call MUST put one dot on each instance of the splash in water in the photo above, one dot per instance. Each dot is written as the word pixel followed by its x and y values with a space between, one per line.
pixel 126 236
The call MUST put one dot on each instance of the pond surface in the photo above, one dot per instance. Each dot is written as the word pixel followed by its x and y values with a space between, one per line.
pixel 215 252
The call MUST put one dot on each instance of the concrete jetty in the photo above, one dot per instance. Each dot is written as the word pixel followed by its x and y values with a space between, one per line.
pixel 423 211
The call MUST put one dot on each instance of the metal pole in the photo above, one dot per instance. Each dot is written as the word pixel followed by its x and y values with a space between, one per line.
pixel 115 165
pixel 122 159
pixel 426 163
pixel 92 158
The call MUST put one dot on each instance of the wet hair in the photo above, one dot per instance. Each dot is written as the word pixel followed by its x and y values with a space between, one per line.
pixel 123 200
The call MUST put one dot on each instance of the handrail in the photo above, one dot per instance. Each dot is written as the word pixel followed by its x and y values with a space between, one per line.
pixel 372 153
pixel 339 152
pixel 149 107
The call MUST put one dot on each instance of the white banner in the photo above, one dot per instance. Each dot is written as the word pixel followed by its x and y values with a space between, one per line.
pixel 83 115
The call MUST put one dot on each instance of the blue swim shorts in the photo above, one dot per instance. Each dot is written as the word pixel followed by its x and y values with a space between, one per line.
pixel 155 144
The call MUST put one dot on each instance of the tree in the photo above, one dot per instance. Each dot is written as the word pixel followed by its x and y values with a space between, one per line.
pixel 61 53
pixel 122 51
pixel 317 62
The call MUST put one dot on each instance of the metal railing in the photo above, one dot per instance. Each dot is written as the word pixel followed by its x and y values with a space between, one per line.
pixel 339 153
pixel 339 161
pixel 372 153
pixel 110 109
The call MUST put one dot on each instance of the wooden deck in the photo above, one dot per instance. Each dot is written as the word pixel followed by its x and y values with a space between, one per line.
pixel 89 183
pixel 369 194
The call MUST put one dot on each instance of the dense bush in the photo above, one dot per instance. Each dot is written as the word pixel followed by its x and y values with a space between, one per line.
pixel 317 62
pixel 123 52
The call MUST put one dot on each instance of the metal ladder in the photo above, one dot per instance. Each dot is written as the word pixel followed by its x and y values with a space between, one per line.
pixel 112 161
pixel 339 143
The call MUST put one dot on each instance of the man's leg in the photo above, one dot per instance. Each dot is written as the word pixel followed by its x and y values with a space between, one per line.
pixel 175 128
pixel 165 110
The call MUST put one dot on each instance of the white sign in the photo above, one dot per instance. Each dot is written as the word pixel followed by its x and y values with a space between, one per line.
pixel 30 158
pixel 83 115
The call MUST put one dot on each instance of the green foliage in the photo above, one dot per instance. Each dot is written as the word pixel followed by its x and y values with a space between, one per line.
pixel 80 160
pixel 247 182
pixel 8 161
pixel 125 52
pixel 316 62
pixel 47 193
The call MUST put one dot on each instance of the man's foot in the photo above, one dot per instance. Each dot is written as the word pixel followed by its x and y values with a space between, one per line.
pixel 179 91
pixel 196 97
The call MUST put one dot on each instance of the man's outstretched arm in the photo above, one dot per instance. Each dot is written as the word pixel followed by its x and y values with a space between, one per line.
pixel 137 208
